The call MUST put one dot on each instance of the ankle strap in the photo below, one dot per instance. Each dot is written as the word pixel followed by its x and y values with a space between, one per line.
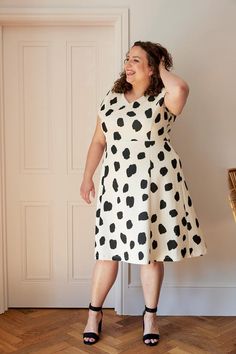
pixel 94 308
pixel 148 309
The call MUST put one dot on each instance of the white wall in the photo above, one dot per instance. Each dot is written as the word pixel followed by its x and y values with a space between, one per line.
pixel 200 35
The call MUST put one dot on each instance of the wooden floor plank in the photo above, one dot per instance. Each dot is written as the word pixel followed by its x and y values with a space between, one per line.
pixel 58 347
pixel 47 331
pixel 11 339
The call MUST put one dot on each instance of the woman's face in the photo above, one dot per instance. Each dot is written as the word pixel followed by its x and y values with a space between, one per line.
pixel 136 66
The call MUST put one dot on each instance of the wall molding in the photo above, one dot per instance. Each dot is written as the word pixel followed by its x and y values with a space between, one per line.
pixel 180 298
pixel 64 16
pixel 3 268
pixel 116 17
pixel 187 301
pixel 189 285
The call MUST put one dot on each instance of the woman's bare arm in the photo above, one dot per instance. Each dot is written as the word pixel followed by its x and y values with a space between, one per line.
pixel 94 156
pixel 177 90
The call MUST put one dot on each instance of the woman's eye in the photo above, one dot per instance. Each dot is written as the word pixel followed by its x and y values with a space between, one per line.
pixel 134 60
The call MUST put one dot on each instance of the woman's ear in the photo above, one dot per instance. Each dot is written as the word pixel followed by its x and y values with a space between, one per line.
pixel 150 71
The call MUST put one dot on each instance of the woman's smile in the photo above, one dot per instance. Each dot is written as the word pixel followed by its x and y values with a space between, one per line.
pixel 130 72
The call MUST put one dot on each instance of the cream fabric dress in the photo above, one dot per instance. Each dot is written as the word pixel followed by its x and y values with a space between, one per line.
pixel 144 212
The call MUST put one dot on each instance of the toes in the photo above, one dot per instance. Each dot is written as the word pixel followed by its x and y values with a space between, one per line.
pixel 151 340
pixel 89 339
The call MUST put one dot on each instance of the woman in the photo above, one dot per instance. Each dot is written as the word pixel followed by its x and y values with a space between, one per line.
pixel 144 214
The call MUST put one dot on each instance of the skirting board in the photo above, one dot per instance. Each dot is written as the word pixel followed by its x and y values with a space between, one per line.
pixel 187 301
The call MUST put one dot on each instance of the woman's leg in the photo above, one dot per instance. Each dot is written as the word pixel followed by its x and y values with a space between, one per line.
pixel 151 278
pixel 104 276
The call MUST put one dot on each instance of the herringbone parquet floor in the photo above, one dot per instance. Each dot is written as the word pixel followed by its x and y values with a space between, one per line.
pixel 46 331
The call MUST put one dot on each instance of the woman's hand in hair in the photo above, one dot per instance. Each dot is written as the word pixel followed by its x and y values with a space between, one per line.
pixel 162 64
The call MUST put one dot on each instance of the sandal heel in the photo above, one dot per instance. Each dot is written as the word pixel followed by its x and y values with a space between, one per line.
pixel 150 335
pixel 93 335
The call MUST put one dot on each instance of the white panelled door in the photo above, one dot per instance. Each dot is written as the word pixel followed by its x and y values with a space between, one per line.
pixel 54 80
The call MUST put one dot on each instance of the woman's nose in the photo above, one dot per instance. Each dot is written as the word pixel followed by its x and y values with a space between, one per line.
pixel 128 64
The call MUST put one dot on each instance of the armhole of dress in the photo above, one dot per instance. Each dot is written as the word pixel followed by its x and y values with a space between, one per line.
pixel 104 100
pixel 165 108
pixel 99 118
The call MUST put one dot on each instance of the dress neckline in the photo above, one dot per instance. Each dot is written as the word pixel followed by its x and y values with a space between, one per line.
pixel 136 100
pixel 141 97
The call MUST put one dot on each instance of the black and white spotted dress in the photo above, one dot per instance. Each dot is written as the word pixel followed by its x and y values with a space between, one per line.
pixel 144 210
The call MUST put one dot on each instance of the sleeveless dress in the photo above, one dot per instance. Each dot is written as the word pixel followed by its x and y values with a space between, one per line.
pixel 144 211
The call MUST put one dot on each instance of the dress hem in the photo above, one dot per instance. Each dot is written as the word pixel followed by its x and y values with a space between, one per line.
pixel 154 261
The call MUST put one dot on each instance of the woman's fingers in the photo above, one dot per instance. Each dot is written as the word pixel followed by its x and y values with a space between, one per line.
pixel 93 192
pixel 87 195
pixel 85 191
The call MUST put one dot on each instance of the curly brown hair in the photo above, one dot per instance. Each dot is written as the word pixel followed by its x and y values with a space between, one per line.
pixel 155 52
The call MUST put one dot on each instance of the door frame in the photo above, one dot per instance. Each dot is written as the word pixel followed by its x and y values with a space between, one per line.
pixel 116 17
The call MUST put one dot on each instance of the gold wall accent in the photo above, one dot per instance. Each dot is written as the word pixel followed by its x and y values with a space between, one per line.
pixel 232 190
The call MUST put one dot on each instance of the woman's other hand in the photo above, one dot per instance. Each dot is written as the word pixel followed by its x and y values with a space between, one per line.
pixel 87 187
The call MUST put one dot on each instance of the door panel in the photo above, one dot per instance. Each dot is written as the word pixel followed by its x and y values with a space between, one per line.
pixel 54 80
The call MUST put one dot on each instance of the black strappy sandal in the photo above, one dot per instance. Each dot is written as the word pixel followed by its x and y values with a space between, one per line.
pixel 93 334
pixel 150 335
